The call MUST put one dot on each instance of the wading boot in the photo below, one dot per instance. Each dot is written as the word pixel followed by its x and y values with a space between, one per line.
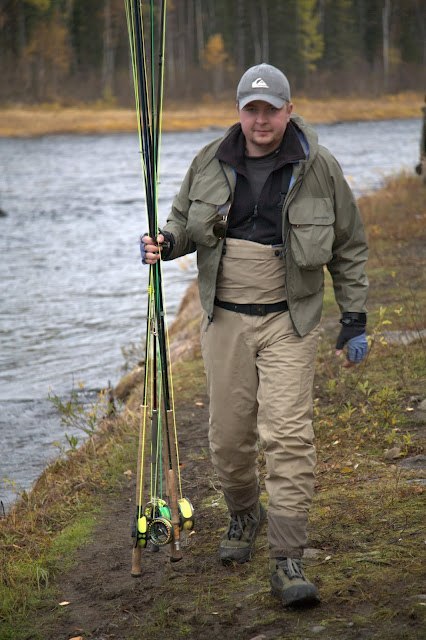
pixel 290 584
pixel 237 545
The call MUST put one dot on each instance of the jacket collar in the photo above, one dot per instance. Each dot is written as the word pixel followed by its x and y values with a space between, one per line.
pixel 232 148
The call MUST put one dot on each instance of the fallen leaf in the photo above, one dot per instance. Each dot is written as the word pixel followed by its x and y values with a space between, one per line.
pixel 346 470
pixel 128 473
pixel 63 603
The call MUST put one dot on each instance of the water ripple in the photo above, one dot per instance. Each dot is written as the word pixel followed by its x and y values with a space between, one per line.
pixel 72 289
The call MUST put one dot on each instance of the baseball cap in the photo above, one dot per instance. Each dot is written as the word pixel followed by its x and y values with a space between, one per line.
pixel 263 82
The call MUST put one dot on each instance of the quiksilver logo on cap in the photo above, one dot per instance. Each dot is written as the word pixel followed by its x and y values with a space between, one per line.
pixel 259 82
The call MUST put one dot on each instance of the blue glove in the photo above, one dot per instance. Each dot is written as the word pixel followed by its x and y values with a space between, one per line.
pixel 357 348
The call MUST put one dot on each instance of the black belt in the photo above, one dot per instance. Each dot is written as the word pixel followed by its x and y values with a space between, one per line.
pixel 253 309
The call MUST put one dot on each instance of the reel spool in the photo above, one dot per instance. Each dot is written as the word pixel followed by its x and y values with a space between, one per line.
pixel 160 528
pixel 186 514
pixel 160 531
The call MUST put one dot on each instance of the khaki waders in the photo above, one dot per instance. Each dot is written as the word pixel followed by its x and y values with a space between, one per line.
pixel 260 385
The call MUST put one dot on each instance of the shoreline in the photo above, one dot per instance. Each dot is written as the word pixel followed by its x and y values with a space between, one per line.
pixel 32 121
pixel 65 561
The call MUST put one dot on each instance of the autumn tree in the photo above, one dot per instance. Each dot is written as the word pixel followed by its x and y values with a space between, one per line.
pixel 216 60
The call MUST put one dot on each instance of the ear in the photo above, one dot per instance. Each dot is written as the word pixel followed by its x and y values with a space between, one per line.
pixel 289 109
pixel 237 107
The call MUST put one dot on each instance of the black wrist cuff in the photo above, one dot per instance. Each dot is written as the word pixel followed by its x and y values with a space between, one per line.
pixel 167 245
pixel 353 319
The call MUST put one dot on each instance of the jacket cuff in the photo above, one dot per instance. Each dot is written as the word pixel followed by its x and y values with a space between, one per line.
pixel 350 318
pixel 168 244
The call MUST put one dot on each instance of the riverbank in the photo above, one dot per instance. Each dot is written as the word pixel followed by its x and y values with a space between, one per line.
pixel 65 547
pixel 21 121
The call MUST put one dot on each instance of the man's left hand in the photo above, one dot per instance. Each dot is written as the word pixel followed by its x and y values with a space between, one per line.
pixel 352 334
pixel 357 349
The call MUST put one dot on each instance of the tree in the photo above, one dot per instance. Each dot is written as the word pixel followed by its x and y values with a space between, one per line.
pixel 214 59
pixel 47 58
pixel 311 41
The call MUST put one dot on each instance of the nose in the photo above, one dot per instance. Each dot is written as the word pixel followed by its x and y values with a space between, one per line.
pixel 261 116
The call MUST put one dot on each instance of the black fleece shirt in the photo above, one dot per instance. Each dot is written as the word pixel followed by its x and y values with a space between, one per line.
pixel 257 216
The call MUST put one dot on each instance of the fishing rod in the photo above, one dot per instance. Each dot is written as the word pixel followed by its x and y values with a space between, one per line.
pixel 158 521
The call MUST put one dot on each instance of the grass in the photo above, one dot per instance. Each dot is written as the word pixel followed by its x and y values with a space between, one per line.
pixel 36 120
pixel 40 535
pixel 366 521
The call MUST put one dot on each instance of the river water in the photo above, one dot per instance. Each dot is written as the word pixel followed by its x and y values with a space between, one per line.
pixel 72 289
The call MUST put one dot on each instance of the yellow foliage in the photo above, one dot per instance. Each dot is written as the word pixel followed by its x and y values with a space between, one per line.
pixel 214 54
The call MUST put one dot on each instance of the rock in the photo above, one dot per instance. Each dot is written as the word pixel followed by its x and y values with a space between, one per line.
pixel 392 454
pixel 415 462
pixel 404 337
pixel 420 597
pixel 422 405
pixel 318 629
pixel 312 554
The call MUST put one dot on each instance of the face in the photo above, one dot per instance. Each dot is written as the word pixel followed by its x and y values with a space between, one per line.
pixel 263 126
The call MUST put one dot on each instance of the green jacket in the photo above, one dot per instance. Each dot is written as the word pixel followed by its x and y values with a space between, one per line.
pixel 321 226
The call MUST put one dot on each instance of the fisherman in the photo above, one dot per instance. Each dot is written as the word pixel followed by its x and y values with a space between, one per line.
pixel 266 207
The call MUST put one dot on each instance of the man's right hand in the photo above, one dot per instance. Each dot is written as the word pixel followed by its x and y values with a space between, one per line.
pixel 151 249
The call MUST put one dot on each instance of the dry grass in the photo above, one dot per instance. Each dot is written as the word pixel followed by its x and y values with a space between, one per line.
pixel 50 119
pixel 366 518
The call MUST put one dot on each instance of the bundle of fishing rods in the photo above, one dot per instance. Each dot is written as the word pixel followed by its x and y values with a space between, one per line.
pixel 162 513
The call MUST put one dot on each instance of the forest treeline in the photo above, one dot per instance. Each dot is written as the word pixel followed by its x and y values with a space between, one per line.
pixel 73 51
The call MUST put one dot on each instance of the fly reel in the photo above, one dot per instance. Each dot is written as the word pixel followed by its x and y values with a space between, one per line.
pixel 160 528
pixel 156 523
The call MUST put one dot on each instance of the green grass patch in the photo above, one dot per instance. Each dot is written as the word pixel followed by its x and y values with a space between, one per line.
pixel 366 519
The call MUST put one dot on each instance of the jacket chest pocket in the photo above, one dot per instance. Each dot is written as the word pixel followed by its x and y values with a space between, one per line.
pixel 311 232
pixel 206 200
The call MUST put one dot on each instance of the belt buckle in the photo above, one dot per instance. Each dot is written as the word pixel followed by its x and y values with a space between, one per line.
pixel 258 310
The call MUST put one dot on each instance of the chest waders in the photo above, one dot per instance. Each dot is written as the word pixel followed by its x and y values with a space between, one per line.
pixel 260 385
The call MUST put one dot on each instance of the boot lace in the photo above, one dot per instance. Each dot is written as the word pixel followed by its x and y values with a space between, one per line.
pixel 239 524
pixel 292 568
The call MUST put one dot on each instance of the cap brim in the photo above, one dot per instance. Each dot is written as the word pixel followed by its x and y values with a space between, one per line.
pixel 264 97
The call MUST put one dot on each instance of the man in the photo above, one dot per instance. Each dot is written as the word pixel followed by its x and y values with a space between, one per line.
pixel 266 207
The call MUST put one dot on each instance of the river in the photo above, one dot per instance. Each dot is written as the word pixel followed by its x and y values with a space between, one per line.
pixel 73 291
